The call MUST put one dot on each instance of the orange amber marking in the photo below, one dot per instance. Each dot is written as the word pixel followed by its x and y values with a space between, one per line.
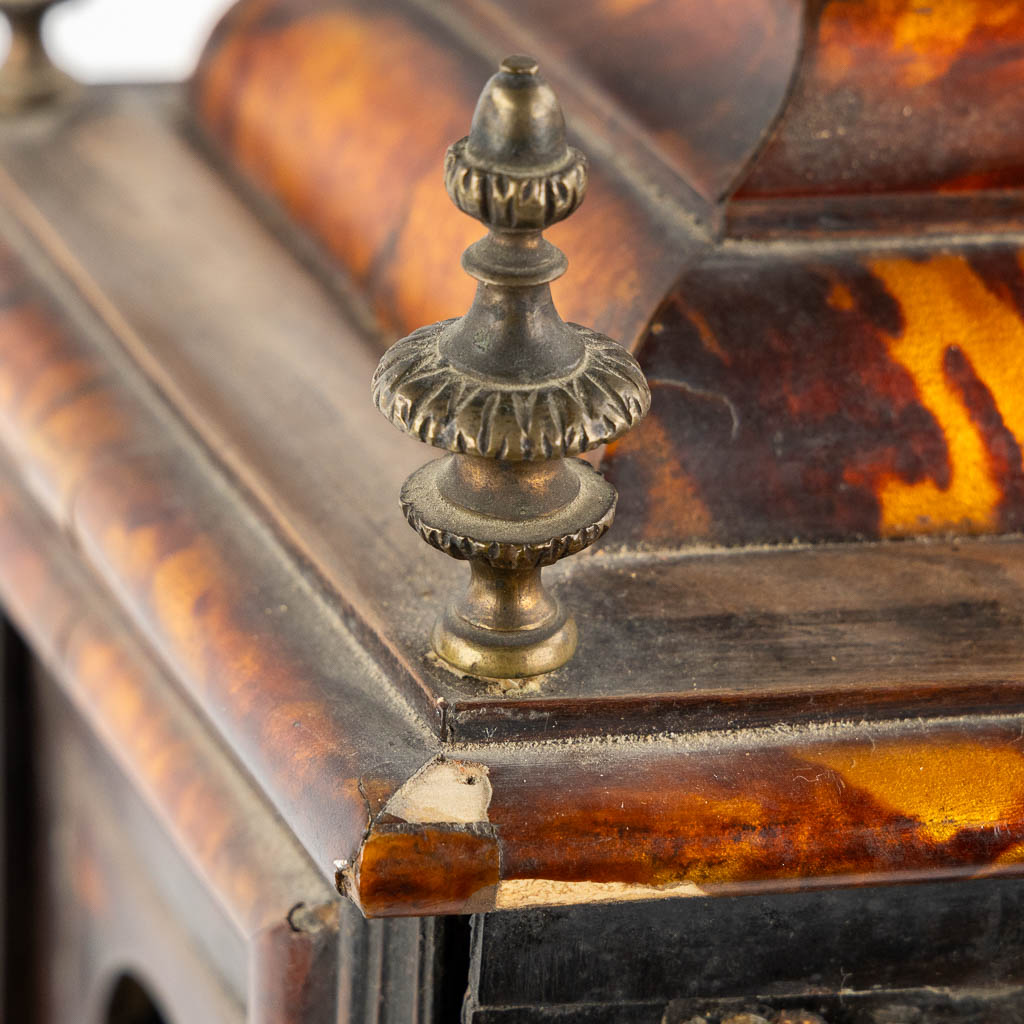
pixel 840 297
pixel 946 787
pixel 946 305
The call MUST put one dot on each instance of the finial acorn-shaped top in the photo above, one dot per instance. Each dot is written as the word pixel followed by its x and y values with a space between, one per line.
pixel 518 124
pixel 514 170
pixel 512 391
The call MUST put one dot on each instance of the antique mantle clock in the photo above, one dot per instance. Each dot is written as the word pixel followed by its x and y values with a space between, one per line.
pixel 756 756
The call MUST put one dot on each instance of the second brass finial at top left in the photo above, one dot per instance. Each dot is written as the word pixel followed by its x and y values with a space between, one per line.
pixel 28 77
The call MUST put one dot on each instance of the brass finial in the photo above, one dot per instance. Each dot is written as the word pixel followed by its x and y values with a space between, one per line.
pixel 28 76
pixel 512 391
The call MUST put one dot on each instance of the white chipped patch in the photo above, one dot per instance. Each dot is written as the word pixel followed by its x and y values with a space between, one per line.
pixel 454 792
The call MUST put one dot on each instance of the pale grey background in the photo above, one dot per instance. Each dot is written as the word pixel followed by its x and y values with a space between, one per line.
pixel 128 40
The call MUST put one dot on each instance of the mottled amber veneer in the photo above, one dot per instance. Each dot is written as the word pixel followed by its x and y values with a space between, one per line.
pixel 231 840
pixel 701 82
pixel 342 112
pixel 64 395
pixel 832 396
pixel 835 396
pixel 174 764
pixel 749 101
pixel 803 812
pixel 570 823
pixel 899 96
pixel 151 520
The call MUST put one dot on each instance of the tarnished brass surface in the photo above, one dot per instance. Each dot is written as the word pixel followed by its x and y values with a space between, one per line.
pixel 28 76
pixel 512 392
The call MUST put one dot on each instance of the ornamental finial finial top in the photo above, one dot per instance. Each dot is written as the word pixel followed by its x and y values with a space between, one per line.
pixel 512 392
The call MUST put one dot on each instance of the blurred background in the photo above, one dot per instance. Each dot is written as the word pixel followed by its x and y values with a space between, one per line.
pixel 128 40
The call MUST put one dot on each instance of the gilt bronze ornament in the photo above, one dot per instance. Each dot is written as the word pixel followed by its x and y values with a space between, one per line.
pixel 512 392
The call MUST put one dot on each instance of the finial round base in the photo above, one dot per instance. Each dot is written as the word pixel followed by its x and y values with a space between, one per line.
pixel 507 625
pixel 504 654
